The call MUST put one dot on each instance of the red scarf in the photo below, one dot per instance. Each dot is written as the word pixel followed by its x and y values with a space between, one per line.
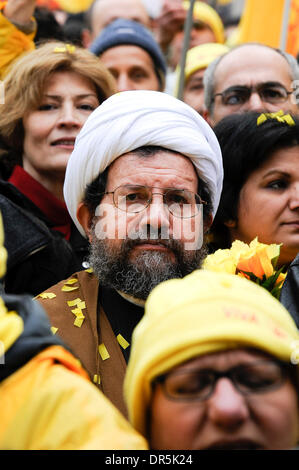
pixel 54 209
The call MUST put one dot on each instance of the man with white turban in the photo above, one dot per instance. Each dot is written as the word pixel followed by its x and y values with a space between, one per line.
pixel 143 184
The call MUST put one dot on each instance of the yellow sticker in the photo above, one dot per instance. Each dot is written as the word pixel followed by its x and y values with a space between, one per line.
pixel 97 379
pixel 72 281
pixel 124 344
pixel 77 311
pixel 80 315
pixel 46 295
pixel 67 288
pixel 89 270
pixel 67 48
pixel 78 322
pixel 81 305
pixel 103 352
pixel 73 303
pixel 54 330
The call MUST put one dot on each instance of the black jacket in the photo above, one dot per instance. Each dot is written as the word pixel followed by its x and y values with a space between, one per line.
pixel 289 296
pixel 38 256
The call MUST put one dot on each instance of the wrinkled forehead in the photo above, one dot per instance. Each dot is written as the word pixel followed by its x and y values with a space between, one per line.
pixel 136 163
pixel 250 65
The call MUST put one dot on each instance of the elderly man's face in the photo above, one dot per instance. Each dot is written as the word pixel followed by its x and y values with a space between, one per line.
pixel 227 419
pixel 134 251
pixel 251 66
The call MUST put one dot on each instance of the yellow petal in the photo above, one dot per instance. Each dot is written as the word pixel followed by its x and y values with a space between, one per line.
pixel 281 278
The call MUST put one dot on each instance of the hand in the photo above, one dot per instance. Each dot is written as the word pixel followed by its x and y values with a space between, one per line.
pixel 170 21
pixel 19 11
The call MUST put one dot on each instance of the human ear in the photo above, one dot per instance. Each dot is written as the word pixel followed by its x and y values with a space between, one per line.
pixel 85 219
pixel 86 38
pixel 208 220
pixel 231 223
pixel 207 117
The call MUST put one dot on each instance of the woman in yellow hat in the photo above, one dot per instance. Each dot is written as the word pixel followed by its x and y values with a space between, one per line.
pixel 213 365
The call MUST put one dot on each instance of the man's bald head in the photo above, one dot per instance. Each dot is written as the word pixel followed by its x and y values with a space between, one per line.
pixel 249 65
pixel 103 12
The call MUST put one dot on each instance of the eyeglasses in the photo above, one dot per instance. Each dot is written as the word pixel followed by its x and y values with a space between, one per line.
pixel 236 96
pixel 199 385
pixel 135 198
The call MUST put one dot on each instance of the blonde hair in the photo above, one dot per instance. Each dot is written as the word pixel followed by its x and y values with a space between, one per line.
pixel 25 83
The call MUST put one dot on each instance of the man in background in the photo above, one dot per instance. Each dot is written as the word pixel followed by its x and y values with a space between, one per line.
pixel 250 77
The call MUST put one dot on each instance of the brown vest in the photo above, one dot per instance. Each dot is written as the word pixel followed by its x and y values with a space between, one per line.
pixel 106 365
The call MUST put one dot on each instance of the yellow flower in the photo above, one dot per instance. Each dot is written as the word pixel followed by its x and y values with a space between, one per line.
pixel 256 258
pixel 220 261
pixel 280 279
pixel 256 261
pixel 273 250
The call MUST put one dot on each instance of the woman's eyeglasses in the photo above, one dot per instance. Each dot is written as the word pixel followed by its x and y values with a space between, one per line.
pixel 198 385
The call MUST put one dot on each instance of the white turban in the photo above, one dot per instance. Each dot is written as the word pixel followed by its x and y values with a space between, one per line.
pixel 133 119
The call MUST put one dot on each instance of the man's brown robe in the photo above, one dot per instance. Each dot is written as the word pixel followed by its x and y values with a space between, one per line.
pixel 106 365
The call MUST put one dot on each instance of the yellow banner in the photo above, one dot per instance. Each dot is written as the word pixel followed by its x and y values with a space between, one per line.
pixel 71 6
pixel 293 30
pixel 262 21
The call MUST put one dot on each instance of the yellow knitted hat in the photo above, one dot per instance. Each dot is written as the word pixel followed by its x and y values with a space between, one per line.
pixel 205 13
pixel 203 313
pixel 199 57
pixel 11 325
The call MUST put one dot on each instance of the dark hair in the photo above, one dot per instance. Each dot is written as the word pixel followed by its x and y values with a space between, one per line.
pixel 245 147
pixel 73 28
pixel 48 27
pixel 94 191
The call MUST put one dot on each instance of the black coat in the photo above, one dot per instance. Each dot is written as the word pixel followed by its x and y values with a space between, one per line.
pixel 290 290
pixel 38 256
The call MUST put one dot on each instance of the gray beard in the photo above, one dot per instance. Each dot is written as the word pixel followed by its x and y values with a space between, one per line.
pixel 114 269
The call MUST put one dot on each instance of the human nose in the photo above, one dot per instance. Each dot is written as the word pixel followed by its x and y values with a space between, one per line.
pixel 124 83
pixel 227 407
pixel 156 214
pixel 294 197
pixel 255 102
pixel 69 117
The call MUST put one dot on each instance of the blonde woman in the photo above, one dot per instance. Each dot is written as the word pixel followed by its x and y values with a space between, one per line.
pixel 49 94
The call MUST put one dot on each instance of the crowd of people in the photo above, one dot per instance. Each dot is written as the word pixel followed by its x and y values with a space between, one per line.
pixel 113 191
